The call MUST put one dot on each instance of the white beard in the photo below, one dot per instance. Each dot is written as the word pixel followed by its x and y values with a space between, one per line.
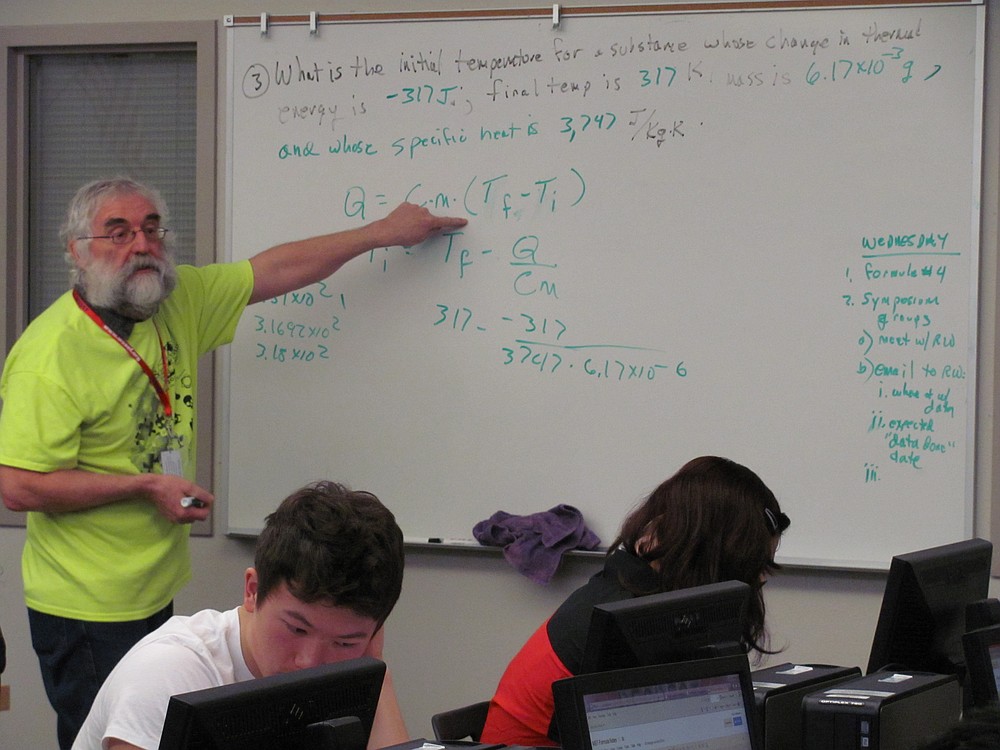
pixel 137 298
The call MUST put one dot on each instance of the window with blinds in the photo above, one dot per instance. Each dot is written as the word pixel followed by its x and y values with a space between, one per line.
pixel 95 115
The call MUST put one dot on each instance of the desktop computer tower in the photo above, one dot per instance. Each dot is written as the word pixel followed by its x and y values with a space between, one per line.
pixel 882 711
pixel 778 692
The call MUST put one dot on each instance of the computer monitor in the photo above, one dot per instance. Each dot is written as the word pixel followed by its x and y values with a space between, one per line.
pixel 330 707
pixel 706 704
pixel 922 619
pixel 982 659
pixel 692 623
pixel 982 614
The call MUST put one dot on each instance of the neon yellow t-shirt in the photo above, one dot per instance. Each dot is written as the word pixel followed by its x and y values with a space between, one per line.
pixel 73 398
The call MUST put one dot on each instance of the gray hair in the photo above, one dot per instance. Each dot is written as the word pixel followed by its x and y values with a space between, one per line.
pixel 87 202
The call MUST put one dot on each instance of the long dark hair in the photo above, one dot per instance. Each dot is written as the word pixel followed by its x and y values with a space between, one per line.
pixel 712 521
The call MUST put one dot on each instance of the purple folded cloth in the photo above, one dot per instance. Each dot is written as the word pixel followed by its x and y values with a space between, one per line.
pixel 534 544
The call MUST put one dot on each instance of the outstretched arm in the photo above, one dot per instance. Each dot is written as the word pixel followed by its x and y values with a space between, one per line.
pixel 293 265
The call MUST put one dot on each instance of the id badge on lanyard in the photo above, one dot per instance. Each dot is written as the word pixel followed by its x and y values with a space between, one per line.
pixel 171 462
pixel 170 458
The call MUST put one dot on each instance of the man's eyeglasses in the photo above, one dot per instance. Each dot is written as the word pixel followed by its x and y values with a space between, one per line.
pixel 123 236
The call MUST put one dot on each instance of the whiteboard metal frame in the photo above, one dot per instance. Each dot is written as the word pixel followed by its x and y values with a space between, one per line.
pixel 314 21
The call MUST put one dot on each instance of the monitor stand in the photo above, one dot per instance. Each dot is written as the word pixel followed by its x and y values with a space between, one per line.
pixel 336 734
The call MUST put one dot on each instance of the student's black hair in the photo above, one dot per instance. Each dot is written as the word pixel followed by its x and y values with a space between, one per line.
pixel 333 545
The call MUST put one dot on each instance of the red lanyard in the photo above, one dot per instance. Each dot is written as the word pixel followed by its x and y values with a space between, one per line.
pixel 161 391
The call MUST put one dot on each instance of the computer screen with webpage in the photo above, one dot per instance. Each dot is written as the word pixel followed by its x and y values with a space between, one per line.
pixel 694 712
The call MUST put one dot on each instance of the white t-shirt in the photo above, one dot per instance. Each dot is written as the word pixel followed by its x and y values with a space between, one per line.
pixel 184 654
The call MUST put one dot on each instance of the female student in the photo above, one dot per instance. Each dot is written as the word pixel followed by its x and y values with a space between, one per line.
pixel 713 521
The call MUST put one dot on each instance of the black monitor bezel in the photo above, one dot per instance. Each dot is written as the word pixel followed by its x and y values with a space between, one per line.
pixel 982 683
pixel 910 574
pixel 332 691
pixel 612 641
pixel 569 693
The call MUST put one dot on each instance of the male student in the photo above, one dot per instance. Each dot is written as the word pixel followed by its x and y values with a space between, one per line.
pixel 97 430
pixel 328 569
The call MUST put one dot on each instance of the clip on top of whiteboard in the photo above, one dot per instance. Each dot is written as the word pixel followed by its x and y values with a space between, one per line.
pixel 263 23
pixel 313 26
pixel 555 15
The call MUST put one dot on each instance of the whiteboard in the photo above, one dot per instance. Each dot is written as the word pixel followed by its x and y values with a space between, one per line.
pixel 751 234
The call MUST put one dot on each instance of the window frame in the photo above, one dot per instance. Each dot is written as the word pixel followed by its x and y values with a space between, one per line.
pixel 17 45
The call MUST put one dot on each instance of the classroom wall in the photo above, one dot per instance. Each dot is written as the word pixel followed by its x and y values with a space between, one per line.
pixel 463 613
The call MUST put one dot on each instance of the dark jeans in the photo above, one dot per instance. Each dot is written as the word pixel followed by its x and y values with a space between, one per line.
pixel 76 657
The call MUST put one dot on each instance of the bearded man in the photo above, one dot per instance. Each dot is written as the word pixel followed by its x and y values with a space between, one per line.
pixel 97 430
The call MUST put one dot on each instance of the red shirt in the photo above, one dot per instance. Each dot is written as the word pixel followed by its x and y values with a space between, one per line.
pixel 522 709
